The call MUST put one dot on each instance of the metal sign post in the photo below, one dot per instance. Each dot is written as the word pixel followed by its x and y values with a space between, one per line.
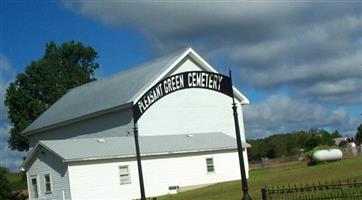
pixel 244 182
pixel 140 173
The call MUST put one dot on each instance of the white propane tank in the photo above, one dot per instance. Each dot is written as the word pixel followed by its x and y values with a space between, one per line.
pixel 327 155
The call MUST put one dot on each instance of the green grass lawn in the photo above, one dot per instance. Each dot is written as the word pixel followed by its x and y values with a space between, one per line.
pixel 294 174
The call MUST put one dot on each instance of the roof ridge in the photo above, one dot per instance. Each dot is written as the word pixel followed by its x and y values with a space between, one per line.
pixel 127 70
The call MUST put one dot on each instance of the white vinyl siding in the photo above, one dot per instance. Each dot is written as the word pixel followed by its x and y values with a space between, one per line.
pixel 47 163
pixel 109 125
pixel 124 175
pixel 159 173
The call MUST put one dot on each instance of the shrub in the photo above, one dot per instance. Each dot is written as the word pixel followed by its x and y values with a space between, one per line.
pixel 4 185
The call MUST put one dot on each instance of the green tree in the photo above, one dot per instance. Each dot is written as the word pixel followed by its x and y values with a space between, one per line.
pixel 45 81
pixel 4 185
pixel 336 134
pixel 359 134
pixel 289 144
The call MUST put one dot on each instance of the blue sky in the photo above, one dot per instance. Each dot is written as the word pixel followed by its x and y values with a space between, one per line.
pixel 298 62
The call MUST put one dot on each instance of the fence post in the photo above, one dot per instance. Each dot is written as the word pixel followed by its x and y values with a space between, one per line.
pixel 263 194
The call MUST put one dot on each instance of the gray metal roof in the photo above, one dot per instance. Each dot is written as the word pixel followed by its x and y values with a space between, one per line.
pixel 121 147
pixel 103 94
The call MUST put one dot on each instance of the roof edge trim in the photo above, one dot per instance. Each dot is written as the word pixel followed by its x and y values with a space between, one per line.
pixel 24 165
pixel 77 119
pixel 160 77
pixel 151 154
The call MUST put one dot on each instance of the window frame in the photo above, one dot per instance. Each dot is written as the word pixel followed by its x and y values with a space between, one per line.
pixel 33 194
pixel 210 165
pixel 50 183
pixel 122 175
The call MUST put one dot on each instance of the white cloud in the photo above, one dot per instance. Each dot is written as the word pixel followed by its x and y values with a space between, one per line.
pixel 344 99
pixel 303 44
pixel 177 17
pixel 7 73
pixel 280 114
pixel 333 69
pixel 5 66
pixel 352 85
pixel 346 91
pixel 3 108
pixel 8 158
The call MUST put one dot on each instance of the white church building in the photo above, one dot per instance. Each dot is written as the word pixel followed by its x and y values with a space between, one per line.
pixel 83 147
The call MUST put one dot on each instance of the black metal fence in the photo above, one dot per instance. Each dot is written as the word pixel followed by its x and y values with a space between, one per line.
pixel 347 190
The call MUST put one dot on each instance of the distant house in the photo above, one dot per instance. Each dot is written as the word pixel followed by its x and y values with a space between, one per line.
pixel 82 147
pixel 337 141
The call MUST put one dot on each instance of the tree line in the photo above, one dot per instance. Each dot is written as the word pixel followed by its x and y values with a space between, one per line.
pixel 290 144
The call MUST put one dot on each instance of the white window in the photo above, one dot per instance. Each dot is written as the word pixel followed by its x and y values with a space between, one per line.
pixel 124 175
pixel 34 185
pixel 47 183
pixel 210 165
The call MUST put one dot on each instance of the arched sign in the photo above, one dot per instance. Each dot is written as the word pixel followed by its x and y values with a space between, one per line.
pixel 180 81
pixel 185 80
